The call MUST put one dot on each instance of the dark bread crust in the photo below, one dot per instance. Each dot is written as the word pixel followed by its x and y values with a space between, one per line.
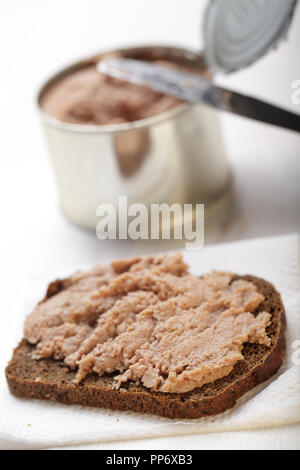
pixel 52 380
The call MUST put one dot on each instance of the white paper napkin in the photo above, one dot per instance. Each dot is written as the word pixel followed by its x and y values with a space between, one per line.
pixel 37 424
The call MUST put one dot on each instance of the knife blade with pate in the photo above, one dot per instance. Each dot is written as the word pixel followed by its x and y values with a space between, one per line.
pixel 194 89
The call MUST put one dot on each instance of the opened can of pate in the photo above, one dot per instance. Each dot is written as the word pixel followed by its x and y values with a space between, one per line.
pixel 108 139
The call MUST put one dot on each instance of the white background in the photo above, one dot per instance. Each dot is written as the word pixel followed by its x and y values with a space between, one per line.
pixel 39 37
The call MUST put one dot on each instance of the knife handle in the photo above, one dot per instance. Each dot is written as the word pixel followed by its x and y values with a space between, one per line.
pixel 261 111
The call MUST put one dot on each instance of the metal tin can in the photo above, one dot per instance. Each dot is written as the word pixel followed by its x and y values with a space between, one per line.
pixel 177 156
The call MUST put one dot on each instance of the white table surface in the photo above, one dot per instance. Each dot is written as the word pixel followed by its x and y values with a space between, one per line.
pixel 36 39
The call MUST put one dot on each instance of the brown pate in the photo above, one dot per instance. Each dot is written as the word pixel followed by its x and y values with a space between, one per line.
pixel 151 321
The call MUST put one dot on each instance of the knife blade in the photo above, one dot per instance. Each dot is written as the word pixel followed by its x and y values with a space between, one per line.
pixel 195 89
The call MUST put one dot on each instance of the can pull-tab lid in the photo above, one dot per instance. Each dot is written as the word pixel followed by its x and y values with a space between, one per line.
pixel 237 32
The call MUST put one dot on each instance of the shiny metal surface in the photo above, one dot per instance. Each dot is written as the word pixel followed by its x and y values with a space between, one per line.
pixel 239 32
pixel 177 156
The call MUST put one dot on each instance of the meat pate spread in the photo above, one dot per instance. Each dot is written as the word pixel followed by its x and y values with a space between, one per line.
pixel 151 321
pixel 86 96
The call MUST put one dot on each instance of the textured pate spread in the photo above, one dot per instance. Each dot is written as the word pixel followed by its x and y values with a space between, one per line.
pixel 88 97
pixel 151 321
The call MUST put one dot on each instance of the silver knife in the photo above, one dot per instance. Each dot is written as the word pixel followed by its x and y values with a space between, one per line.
pixel 195 89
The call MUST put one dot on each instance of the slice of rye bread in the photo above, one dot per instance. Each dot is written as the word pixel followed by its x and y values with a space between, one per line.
pixel 50 379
